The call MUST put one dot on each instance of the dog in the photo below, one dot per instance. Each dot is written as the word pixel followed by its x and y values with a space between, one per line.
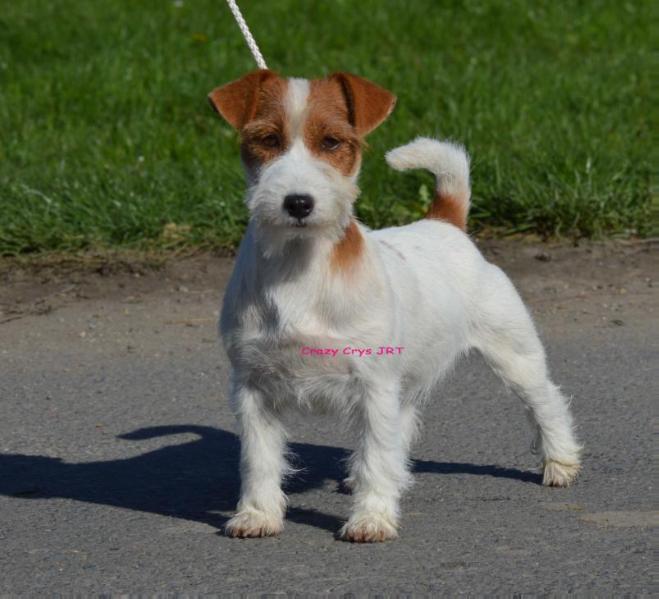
pixel 310 278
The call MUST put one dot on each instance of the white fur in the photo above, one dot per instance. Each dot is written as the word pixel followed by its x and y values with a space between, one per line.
pixel 447 161
pixel 424 287
pixel 296 103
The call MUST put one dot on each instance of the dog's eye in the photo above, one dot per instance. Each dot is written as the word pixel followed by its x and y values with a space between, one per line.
pixel 270 141
pixel 330 143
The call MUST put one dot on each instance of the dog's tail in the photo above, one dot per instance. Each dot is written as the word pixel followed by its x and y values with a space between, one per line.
pixel 450 164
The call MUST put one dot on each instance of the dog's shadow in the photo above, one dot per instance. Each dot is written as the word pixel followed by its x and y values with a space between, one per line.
pixel 195 480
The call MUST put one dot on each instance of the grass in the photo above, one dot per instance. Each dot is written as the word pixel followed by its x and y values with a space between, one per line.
pixel 106 138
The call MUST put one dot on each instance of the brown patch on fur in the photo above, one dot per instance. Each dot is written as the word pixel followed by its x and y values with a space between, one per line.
pixel 449 209
pixel 237 101
pixel 268 123
pixel 254 104
pixel 368 104
pixel 343 108
pixel 346 252
pixel 328 119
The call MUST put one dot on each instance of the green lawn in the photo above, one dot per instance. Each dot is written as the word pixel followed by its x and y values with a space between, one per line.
pixel 106 138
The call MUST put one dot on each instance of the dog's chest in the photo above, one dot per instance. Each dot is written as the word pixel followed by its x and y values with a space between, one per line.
pixel 282 326
pixel 291 344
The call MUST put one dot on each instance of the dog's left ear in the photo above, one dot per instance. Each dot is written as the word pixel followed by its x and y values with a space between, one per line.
pixel 368 104
pixel 237 101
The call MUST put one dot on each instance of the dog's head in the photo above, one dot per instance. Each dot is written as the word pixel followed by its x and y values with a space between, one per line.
pixel 301 146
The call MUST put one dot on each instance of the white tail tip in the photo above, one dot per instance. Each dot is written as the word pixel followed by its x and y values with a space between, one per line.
pixel 447 161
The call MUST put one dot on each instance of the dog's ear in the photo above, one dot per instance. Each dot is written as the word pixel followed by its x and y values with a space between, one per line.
pixel 368 104
pixel 237 101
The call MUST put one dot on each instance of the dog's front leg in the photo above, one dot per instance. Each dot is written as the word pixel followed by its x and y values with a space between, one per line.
pixel 378 467
pixel 262 465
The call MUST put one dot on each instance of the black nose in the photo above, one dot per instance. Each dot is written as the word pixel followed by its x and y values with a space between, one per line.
pixel 298 205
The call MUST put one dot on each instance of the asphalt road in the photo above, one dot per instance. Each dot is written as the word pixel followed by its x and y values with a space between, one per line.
pixel 118 458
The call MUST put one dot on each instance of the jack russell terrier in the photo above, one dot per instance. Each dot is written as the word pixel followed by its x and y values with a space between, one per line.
pixel 309 275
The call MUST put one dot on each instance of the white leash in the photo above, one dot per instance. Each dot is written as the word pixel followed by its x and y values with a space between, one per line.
pixel 247 34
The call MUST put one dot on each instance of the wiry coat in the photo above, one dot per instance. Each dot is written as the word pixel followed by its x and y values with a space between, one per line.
pixel 322 280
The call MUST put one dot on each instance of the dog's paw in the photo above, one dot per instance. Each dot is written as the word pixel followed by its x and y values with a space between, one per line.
pixel 251 524
pixel 368 528
pixel 557 474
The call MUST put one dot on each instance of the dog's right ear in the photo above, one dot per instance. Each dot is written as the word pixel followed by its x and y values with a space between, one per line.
pixel 236 102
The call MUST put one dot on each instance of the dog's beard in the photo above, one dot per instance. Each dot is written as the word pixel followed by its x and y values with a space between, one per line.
pixel 275 228
pixel 273 239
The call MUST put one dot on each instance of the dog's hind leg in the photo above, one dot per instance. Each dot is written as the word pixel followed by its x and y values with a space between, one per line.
pixel 262 466
pixel 379 465
pixel 505 335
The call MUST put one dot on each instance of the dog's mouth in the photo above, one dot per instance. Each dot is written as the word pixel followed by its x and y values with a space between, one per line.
pixel 299 223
